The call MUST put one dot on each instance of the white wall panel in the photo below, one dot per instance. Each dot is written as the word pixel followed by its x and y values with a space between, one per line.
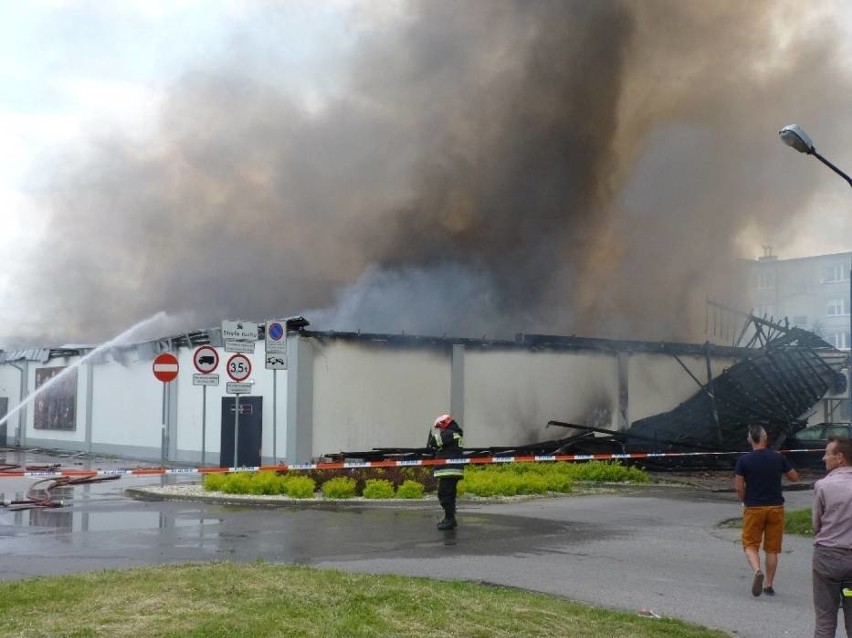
pixel 510 395
pixel 127 405
pixel 370 395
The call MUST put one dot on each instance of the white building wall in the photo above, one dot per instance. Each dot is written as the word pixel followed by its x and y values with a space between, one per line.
pixel 358 394
pixel 126 409
pixel 192 421
pixel 510 395
pixel 368 394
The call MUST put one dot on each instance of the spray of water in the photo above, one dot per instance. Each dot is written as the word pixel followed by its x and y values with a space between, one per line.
pixel 120 339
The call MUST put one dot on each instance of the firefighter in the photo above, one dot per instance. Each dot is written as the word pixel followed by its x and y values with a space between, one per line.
pixel 446 442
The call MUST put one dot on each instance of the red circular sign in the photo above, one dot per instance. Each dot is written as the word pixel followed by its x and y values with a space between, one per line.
pixel 205 359
pixel 166 367
pixel 239 367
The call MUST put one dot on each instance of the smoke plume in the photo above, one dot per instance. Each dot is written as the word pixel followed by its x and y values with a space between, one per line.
pixel 482 168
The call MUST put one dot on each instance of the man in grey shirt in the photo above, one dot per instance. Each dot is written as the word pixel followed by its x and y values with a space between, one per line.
pixel 832 522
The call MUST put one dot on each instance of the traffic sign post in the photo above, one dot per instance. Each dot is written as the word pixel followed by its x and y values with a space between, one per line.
pixel 239 369
pixel 165 367
pixel 206 360
pixel 276 359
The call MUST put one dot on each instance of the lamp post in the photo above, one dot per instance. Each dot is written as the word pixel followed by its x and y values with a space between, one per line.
pixel 792 135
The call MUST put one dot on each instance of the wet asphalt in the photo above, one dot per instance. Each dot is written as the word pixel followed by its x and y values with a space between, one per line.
pixel 660 548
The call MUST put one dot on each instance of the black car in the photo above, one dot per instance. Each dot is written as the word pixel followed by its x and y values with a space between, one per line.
pixel 814 437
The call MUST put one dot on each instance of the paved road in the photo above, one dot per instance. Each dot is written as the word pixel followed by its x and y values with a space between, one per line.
pixel 659 549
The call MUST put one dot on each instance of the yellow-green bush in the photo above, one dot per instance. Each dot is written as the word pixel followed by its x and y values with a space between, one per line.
pixel 266 483
pixel 503 483
pixel 214 482
pixel 238 483
pixel 499 479
pixel 378 489
pixel 605 472
pixel 410 490
pixel 339 487
pixel 296 486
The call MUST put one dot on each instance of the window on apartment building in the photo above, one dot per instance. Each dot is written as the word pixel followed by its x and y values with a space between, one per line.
pixel 836 307
pixel 835 272
pixel 800 320
pixel 766 280
pixel 840 340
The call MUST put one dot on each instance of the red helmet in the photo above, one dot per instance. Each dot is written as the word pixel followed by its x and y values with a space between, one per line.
pixel 443 421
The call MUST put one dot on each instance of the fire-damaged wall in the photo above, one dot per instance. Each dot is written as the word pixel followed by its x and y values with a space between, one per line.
pixel 511 394
pixel 658 383
pixel 384 391
pixel 372 393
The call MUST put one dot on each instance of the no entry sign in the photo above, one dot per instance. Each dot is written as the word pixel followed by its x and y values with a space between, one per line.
pixel 166 367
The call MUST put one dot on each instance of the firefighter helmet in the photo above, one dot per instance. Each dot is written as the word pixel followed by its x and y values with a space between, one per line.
pixel 443 421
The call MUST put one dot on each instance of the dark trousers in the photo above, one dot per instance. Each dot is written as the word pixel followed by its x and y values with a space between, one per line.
pixel 832 570
pixel 447 494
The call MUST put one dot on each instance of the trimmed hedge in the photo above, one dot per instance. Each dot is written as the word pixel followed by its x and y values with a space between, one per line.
pixel 487 480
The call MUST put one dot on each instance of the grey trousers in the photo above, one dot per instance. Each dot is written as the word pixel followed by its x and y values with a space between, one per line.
pixel 832 569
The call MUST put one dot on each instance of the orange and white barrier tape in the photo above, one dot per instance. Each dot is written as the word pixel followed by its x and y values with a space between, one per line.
pixel 345 465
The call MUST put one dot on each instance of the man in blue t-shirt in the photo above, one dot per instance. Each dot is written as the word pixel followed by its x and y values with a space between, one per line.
pixel 757 477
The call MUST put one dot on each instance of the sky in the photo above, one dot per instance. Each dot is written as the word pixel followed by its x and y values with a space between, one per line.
pixel 427 167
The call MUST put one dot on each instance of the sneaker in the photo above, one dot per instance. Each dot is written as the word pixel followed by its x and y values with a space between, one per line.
pixel 757 583
pixel 769 591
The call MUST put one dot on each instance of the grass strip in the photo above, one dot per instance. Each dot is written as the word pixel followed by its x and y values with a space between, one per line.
pixel 236 600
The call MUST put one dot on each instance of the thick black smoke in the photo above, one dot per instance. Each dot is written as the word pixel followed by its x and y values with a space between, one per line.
pixel 487 167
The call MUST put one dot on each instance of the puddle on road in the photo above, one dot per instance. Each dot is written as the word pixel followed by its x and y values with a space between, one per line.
pixel 66 520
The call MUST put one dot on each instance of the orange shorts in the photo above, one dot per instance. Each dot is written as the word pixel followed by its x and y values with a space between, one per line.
pixel 766 524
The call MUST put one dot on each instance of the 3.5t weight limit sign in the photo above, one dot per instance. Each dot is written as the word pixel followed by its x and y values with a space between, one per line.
pixel 239 367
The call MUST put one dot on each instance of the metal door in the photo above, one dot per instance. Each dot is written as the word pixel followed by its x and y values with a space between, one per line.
pixel 250 428
pixel 4 408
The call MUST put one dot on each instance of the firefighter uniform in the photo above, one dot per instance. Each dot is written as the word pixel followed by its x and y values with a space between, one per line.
pixel 446 442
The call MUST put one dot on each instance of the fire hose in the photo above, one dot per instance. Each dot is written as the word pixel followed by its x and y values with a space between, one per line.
pixel 38 496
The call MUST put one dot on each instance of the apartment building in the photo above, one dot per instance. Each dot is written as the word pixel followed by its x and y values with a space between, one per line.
pixel 809 292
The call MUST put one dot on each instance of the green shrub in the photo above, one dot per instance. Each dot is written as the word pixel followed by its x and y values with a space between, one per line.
pixel 339 487
pixel 238 483
pixel 609 472
pixel 296 486
pixel 487 480
pixel 214 482
pixel 410 490
pixel 267 482
pixel 378 489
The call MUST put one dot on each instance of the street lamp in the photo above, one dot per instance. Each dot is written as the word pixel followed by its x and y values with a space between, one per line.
pixel 794 136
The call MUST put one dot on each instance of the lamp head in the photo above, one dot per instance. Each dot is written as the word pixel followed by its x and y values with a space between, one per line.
pixel 794 136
